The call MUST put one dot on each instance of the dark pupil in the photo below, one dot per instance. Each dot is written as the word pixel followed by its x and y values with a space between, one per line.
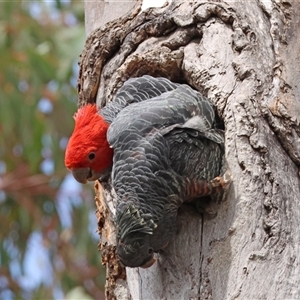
pixel 91 155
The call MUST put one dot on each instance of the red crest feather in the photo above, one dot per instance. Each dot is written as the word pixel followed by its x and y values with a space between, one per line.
pixel 89 135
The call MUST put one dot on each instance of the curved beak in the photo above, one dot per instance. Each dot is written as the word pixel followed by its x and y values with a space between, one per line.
pixel 149 263
pixel 83 175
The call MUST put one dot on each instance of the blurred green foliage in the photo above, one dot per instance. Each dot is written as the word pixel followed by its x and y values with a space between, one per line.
pixel 40 43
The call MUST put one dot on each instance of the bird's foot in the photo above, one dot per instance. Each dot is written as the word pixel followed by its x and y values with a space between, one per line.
pixel 220 186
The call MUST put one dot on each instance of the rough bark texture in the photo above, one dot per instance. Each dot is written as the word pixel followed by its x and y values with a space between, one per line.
pixel 243 55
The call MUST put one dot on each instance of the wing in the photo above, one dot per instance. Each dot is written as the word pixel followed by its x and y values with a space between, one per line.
pixel 182 106
pixel 136 90
pixel 193 155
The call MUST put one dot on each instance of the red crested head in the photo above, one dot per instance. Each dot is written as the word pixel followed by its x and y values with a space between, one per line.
pixel 88 153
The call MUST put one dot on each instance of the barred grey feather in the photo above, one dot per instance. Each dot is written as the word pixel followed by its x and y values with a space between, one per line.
pixel 166 147
pixel 136 90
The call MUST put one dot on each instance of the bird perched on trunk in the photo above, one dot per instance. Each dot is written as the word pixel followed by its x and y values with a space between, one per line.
pixel 166 151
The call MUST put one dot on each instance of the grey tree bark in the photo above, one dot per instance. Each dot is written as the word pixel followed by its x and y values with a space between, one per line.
pixel 244 56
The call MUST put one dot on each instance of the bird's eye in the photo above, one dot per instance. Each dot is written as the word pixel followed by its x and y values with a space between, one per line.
pixel 150 251
pixel 92 155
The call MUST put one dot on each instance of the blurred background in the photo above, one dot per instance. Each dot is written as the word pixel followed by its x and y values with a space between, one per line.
pixel 48 239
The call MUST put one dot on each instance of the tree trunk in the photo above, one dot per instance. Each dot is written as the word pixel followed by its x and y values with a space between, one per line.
pixel 244 56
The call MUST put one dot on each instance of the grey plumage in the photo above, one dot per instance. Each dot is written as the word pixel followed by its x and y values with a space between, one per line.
pixel 166 149
pixel 135 90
